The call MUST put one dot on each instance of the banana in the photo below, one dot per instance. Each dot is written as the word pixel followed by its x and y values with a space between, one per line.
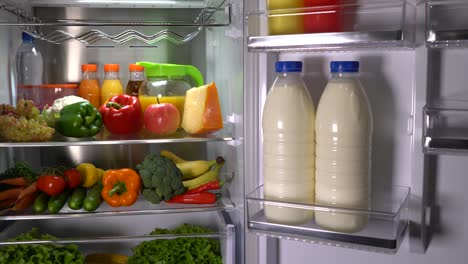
pixel 172 156
pixel 193 169
pixel 211 175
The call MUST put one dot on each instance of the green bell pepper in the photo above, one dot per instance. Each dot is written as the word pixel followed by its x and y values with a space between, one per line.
pixel 79 120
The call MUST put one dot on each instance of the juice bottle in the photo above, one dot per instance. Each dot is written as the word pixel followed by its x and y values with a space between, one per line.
pixel 283 23
pixel 288 146
pixel 325 17
pixel 343 138
pixel 111 85
pixel 137 77
pixel 89 86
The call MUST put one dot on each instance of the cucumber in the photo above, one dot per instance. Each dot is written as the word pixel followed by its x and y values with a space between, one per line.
pixel 77 198
pixel 93 198
pixel 40 204
pixel 57 202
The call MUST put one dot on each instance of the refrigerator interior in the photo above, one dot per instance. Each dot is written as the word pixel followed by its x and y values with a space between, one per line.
pixel 205 34
pixel 416 88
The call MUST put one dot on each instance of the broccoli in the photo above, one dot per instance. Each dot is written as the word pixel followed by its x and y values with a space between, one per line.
pixel 161 178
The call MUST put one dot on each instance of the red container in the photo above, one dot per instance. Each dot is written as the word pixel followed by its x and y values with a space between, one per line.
pixel 46 93
pixel 322 18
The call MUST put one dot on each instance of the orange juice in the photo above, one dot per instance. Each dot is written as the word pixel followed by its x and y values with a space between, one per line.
pixel 112 85
pixel 89 86
pixel 178 101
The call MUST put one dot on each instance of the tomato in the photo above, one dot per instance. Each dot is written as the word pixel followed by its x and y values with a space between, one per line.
pixel 73 178
pixel 51 184
pixel 323 19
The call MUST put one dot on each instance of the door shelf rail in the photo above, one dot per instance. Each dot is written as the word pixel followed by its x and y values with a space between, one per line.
pixel 121 234
pixel 445 128
pixel 174 29
pixel 364 25
pixel 386 219
pixel 447 26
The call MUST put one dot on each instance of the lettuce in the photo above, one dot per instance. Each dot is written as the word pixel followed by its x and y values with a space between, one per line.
pixel 180 250
pixel 39 253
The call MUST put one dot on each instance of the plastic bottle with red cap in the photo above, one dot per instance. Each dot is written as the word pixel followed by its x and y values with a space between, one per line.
pixel 111 85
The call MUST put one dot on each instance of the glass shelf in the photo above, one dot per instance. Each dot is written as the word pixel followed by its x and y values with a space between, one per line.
pixel 386 221
pixel 104 138
pixel 446 128
pixel 363 25
pixel 121 234
pixel 447 25
pixel 141 207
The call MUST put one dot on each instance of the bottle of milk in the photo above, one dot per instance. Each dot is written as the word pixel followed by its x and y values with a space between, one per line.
pixel 288 145
pixel 343 145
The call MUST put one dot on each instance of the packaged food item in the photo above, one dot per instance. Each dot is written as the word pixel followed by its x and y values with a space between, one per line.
pixel 89 87
pixel 282 21
pixel 137 77
pixel 288 145
pixel 111 85
pixel 343 136
pixel 325 16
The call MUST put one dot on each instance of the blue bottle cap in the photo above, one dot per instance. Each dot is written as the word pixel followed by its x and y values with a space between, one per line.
pixel 289 66
pixel 26 37
pixel 344 66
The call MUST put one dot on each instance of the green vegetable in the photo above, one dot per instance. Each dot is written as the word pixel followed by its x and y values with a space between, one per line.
pixel 40 204
pixel 77 198
pixel 57 202
pixel 79 120
pixel 21 169
pixel 161 178
pixel 179 250
pixel 93 199
pixel 40 253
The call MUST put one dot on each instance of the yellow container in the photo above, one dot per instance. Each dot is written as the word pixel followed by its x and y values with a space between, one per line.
pixel 281 22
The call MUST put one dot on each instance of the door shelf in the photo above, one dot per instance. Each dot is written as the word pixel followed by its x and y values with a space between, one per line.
pixel 363 25
pixel 387 221
pixel 120 235
pixel 141 207
pixel 104 138
pixel 446 24
pixel 446 128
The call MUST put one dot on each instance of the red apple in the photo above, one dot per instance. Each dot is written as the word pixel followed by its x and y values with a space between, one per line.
pixel 162 119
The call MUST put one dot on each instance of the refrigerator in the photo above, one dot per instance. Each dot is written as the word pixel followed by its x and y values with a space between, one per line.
pixel 412 55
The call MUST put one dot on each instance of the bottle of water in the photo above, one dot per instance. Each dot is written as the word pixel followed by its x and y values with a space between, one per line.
pixel 29 66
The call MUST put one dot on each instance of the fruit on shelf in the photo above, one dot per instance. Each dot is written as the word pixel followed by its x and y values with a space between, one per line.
pixel 202 111
pixel 120 187
pixel 51 182
pixel 23 123
pixel 89 174
pixel 193 169
pixel 211 175
pixel 79 120
pixel 170 155
pixel 162 119
pixel 72 177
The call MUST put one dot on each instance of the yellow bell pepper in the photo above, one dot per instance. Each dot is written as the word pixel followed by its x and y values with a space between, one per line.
pixel 89 174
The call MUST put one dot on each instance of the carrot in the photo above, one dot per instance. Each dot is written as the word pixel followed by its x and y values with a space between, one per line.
pixel 30 189
pixel 7 203
pixel 24 203
pixel 19 181
pixel 11 193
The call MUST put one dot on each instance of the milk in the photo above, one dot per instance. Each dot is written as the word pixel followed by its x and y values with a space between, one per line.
pixel 343 145
pixel 288 146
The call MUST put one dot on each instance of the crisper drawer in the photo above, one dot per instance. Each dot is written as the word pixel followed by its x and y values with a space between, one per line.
pixel 119 235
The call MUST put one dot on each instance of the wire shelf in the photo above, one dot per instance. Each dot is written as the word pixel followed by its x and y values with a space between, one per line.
pixel 218 16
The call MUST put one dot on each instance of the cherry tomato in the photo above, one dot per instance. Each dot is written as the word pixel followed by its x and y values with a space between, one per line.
pixel 51 184
pixel 73 178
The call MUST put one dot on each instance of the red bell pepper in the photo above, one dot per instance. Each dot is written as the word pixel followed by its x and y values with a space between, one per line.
pixel 122 114
pixel 194 198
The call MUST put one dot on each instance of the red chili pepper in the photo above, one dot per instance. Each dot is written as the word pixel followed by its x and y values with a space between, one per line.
pixel 194 198
pixel 122 114
pixel 212 185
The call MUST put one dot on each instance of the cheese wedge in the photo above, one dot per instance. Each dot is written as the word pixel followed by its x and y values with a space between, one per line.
pixel 202 111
